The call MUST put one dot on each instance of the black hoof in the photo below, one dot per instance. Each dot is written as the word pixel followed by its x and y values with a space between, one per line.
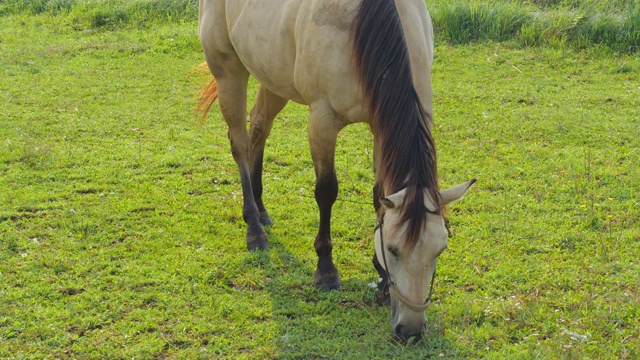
pixel 265 220
pixel 257 242
pixel 327 282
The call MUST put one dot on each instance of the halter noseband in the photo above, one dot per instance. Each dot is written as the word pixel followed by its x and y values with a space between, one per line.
pixel 393 288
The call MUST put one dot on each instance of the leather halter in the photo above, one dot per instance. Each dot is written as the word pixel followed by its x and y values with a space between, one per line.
pixel 393 288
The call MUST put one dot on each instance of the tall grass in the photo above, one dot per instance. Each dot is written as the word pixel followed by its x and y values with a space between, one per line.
pixel 462 23
pixel 579 23
pixel 107 13
pixel 613 24
pixel 620 32
pixel 36 6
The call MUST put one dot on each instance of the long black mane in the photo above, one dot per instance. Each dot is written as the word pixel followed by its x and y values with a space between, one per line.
pixel 399 122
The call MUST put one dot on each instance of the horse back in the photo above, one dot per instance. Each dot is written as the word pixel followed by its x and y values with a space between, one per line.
pixel 302 49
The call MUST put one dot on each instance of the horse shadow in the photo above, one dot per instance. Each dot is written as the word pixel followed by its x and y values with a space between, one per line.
pixel 345 323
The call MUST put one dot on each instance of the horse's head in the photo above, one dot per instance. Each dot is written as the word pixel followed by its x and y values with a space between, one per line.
pixel 411 271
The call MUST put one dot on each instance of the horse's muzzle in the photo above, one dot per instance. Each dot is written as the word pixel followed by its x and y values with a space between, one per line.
pixel 406 328
pixel 404 333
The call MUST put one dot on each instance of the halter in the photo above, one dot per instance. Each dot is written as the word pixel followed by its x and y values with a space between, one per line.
pixel 391 285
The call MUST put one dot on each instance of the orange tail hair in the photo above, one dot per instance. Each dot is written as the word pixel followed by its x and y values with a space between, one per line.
pixel 208 95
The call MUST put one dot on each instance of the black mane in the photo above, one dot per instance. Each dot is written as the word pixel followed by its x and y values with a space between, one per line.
pixel 399 122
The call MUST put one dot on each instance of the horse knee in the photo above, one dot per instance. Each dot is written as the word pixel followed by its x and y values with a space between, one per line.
pixel 326 191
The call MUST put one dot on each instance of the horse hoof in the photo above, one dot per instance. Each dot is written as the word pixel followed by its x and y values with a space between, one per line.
pixel 257 242
pixel 257 246
pixel 265 220
pixel 327 282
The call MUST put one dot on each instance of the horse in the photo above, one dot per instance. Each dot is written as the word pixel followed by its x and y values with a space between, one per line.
pixel 348 61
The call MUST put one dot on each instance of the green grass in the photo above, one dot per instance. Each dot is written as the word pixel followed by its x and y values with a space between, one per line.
pixel 107 14
pixel 121 232
pixel 580 23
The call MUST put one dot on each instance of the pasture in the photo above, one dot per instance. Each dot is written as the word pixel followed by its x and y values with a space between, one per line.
pixel 121 232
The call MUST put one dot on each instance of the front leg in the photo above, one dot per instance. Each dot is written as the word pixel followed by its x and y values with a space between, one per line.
pixel 326 192
pixel 322 131
pixel 382 293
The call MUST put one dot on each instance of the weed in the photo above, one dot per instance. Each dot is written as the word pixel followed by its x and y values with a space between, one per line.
pixel 11 243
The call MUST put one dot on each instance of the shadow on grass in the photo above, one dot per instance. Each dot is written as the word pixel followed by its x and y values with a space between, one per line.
pixel 346 323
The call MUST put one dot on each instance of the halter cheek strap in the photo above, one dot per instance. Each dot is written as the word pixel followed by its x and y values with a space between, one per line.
pixel 393 288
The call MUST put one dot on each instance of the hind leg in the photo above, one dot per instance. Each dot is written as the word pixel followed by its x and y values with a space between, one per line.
pixel 232 78
pixel 267 106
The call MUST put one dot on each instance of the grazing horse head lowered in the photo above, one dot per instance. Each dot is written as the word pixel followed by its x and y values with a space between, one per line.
pixel 408 271
pixel 349 61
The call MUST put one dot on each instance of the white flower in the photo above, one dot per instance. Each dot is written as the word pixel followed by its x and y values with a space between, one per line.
pixel 574 336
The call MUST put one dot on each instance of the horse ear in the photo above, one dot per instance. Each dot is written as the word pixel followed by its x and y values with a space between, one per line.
pixel 456 193
pixel 393 201
pixel 428 202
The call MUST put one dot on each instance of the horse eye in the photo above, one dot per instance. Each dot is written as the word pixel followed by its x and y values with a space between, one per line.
pixel 393 251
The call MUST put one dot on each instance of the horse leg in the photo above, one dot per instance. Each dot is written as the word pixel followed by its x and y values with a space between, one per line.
pixel 382 294
pixel 232 78
pixel 323 129
pixel 267 106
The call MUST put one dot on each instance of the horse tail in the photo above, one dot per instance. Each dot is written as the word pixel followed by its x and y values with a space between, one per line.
pixel 208 94
pixel 399 122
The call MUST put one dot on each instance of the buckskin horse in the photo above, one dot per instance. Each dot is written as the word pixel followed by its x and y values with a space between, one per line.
pixel 349 61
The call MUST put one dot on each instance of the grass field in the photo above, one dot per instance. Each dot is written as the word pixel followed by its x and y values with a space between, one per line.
pixel 612 24
pixel 121 233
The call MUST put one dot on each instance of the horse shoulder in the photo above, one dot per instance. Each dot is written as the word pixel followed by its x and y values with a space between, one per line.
pixel 324 67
